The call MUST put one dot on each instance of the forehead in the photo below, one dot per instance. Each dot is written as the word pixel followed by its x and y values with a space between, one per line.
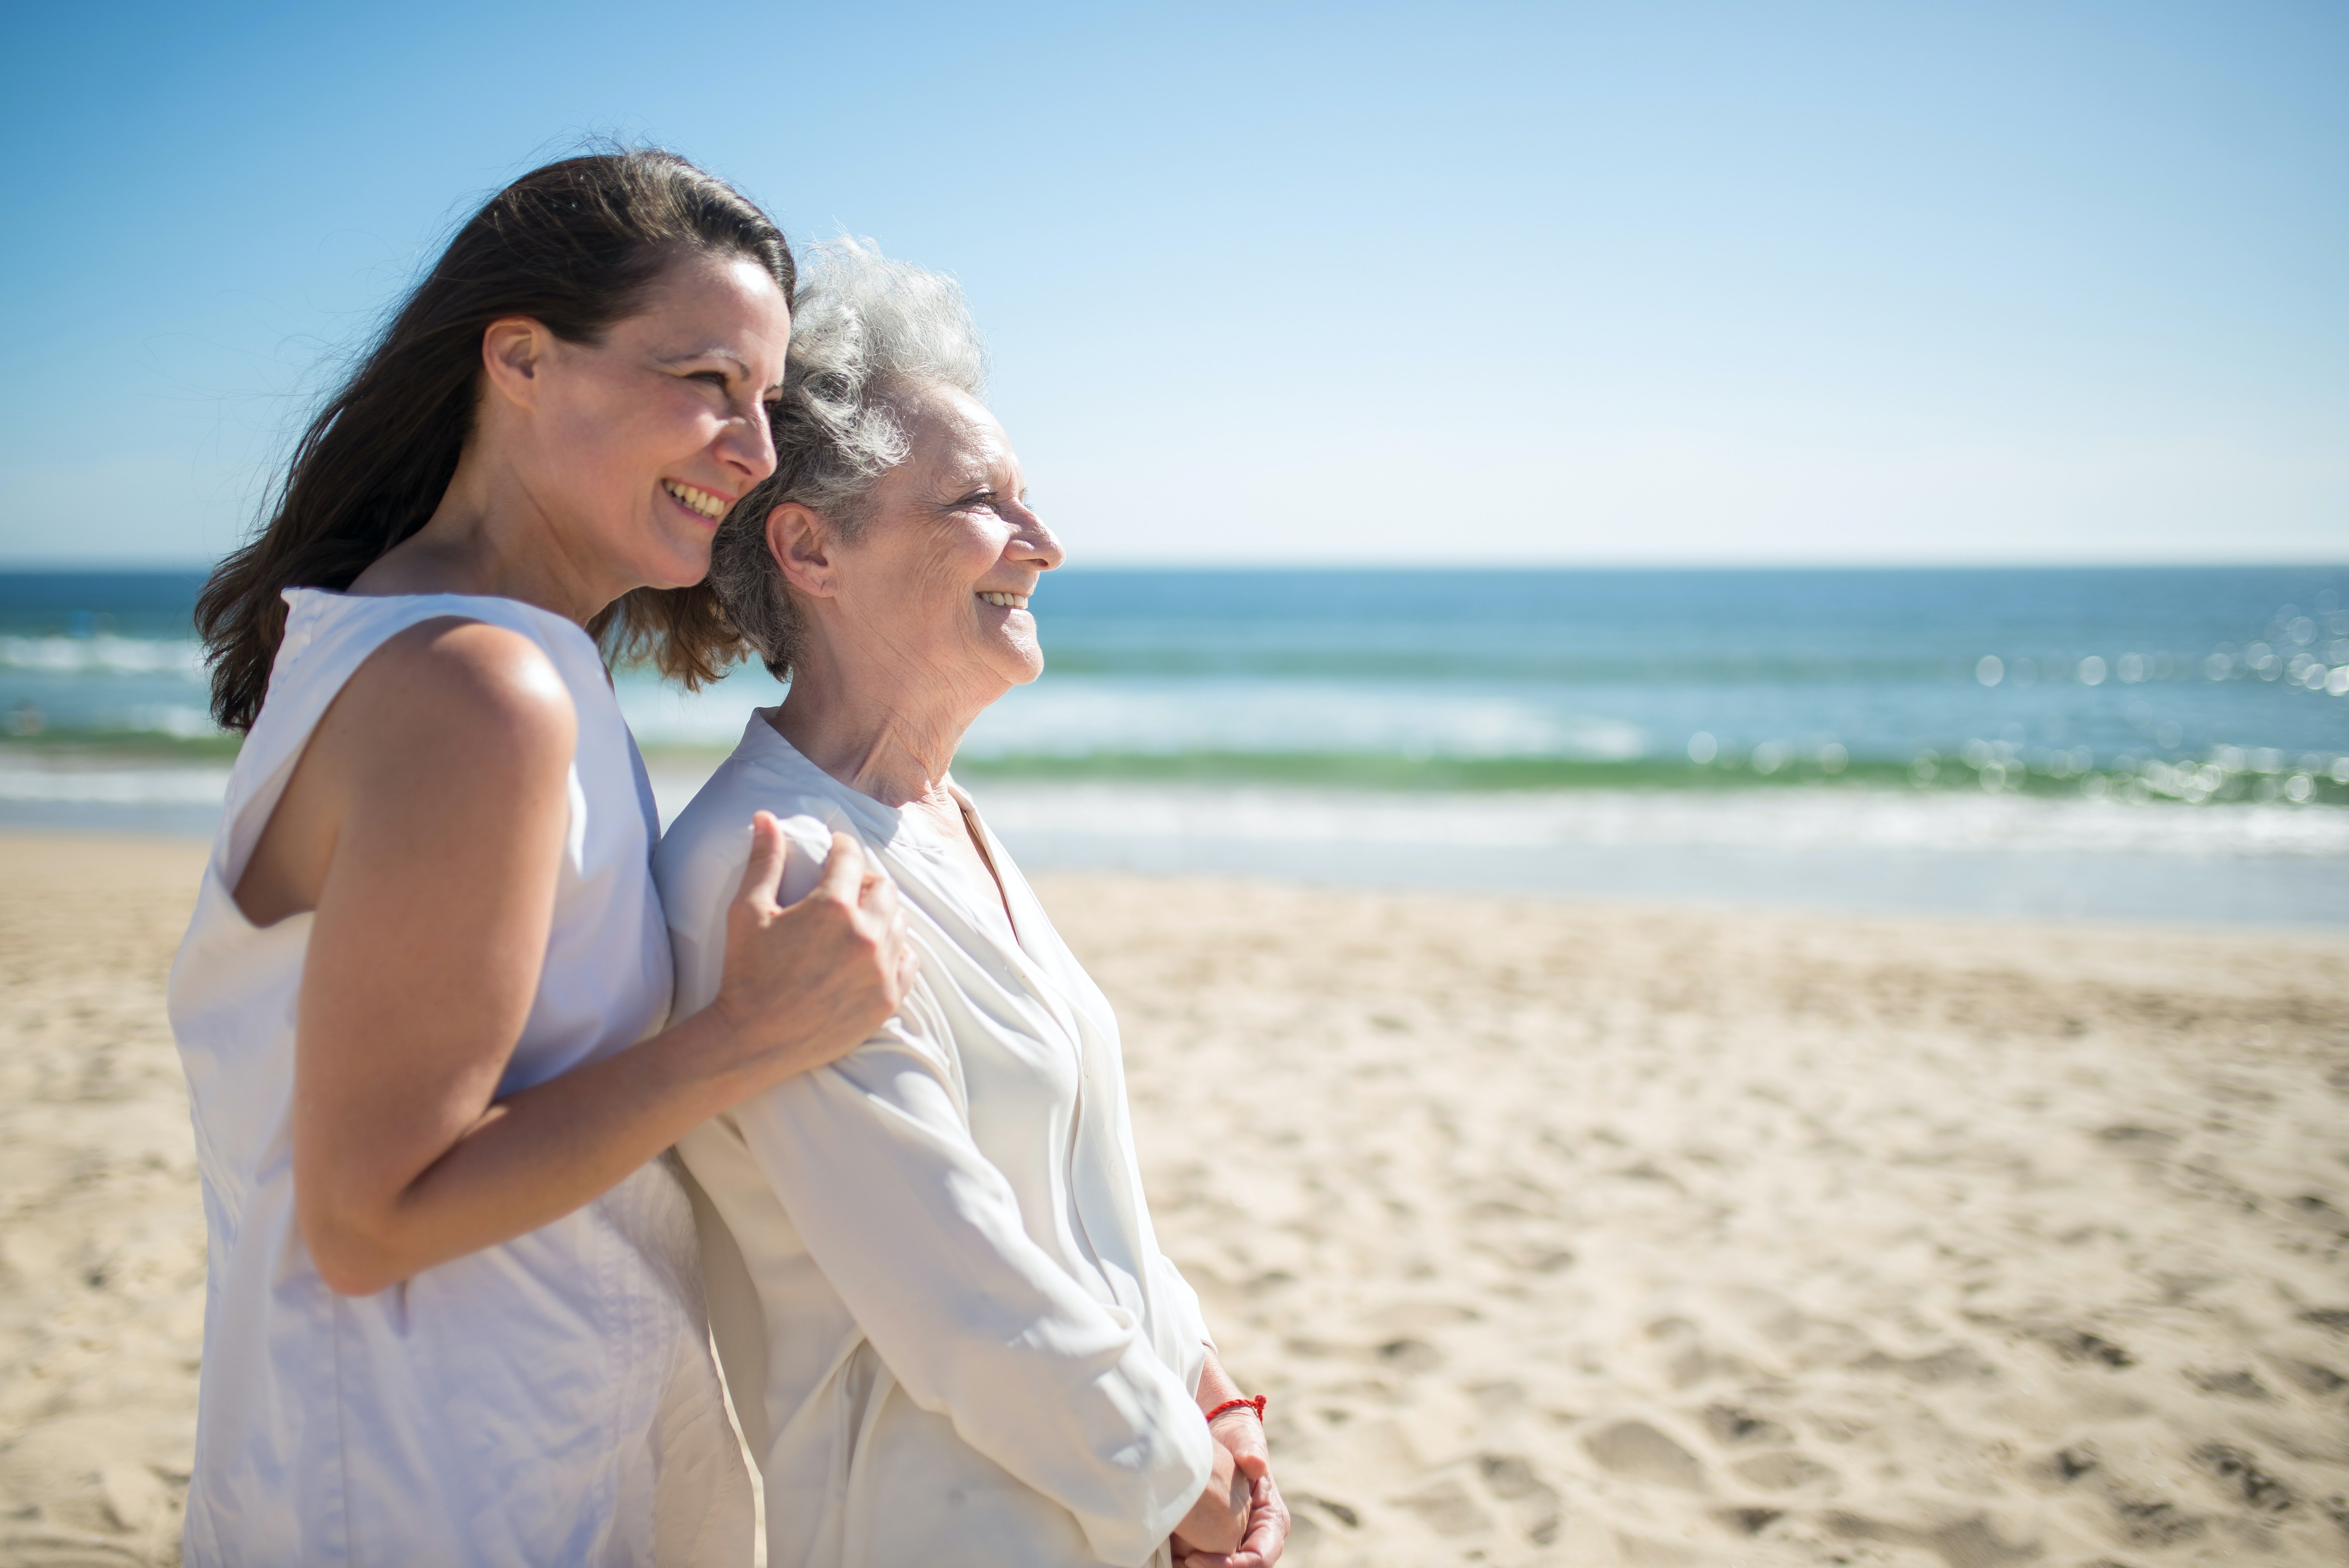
pixel 702 303
pixel 950 430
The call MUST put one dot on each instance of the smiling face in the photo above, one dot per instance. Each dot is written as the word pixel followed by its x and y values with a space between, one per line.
pixel 934 586
pixel 640 443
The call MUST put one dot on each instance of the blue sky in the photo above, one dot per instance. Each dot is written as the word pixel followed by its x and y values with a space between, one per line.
pixel 1432 284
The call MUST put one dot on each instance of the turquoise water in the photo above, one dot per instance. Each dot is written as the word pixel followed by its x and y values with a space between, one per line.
pixel 1511 676
pixel 2163 743
pixel 2059 680
pixel 2209 683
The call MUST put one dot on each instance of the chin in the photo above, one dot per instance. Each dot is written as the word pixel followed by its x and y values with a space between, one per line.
pixel 682 569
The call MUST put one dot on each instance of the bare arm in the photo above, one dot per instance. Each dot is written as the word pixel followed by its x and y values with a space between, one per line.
pixel 426 823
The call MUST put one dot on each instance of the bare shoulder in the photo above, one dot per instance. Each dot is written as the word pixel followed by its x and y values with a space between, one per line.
pixel 454 700
pixel 453 734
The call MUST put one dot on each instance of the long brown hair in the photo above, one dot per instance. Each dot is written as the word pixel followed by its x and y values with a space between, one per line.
pixel 574 245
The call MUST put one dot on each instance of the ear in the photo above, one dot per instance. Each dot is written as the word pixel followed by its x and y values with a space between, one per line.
pixel 804 548
pixel 514 352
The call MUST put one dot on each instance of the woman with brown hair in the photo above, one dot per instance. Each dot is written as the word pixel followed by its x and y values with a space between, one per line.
pixel 454 1314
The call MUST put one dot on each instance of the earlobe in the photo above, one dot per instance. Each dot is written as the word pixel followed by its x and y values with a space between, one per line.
pixel 510 356
pixel 800 543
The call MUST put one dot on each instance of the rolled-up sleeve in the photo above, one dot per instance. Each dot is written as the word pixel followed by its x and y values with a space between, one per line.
pixel 922 1237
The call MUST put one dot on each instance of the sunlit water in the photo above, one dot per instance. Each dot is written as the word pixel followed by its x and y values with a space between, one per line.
pixel 2170 742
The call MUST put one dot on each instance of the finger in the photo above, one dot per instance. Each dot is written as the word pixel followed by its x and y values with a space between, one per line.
pixel 1243 1435
pixel 763 877
pixel 844 870
pixel 1265 1538
pixel 1247 1556
pixel 1276 1523
pixel 1267 1533
pixel 877 895
pixel 1260 1549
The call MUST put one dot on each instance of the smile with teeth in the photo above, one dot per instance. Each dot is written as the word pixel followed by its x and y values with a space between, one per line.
pixel 1006 600
pixel 695 498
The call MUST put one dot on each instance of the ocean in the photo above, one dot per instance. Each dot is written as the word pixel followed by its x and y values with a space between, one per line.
pixel 2164 743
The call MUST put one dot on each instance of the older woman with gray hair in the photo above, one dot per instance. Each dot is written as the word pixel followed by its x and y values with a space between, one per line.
pixel 949 1332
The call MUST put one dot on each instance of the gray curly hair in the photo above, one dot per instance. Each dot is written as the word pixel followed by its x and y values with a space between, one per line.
pixel 865 331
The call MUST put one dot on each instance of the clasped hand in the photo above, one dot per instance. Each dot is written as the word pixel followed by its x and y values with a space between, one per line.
pixel 1241 1505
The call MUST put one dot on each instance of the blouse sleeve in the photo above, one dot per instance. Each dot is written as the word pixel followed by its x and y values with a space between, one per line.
pixel 921 1235
pixel 1180 1301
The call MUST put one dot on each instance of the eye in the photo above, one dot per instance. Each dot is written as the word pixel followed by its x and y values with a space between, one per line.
pixel 715 378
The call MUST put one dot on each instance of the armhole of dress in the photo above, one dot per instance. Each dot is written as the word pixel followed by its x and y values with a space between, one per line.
pixel 245 817
pixel 246 820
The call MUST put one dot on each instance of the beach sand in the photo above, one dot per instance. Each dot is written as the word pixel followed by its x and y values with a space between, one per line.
pixel 1558 1233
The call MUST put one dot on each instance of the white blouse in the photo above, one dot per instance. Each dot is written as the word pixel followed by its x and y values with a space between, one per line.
pixel 949 1331
pixel 549 1399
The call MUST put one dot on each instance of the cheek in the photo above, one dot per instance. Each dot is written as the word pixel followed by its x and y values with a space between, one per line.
pixel 918 577
pixel 660 430
pixel 631 432
pixel 959 556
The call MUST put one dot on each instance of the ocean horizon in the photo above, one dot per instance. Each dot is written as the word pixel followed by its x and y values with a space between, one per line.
pixel 2164 741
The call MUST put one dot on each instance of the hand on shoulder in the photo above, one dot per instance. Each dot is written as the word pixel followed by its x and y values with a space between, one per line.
pixel 805 982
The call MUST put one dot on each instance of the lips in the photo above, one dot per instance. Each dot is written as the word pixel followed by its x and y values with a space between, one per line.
pixel 694 499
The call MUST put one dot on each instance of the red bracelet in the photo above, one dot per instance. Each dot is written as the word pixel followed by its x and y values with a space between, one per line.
pixel 1255 1404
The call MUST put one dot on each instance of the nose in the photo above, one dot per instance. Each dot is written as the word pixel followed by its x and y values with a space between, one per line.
pixel 747 444
pixel 1036 544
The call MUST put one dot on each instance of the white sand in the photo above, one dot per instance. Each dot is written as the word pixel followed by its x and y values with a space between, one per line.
pixel 1584 1235
pixel 1558 1234
pixel 101 1228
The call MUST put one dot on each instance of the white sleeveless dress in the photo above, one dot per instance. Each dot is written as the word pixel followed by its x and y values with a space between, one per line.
pixel 548 1400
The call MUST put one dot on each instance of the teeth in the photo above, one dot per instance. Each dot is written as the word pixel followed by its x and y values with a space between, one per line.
pixel 1006 600
pixel 700 501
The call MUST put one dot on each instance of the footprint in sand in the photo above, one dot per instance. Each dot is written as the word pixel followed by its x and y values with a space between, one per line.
pixel 1956 1363
pixel 1448 1509
pixel 1533 1503
pixel 2077 1345
pixel 2236 1382
pixel 1733 1427
pixel 1782 1471
pixel 1410 1356
pixel 2315 1377
pixel 2240 1472
pixel 1967 1543
pixel 1637 1451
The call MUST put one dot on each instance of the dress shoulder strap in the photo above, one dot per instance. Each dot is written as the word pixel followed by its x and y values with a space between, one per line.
pixel 328 636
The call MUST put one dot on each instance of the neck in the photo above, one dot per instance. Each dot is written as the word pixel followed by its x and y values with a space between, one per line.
pixel 491 535
pixel 885 731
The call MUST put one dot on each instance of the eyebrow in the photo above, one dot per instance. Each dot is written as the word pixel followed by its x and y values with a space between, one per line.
pixel 742 366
